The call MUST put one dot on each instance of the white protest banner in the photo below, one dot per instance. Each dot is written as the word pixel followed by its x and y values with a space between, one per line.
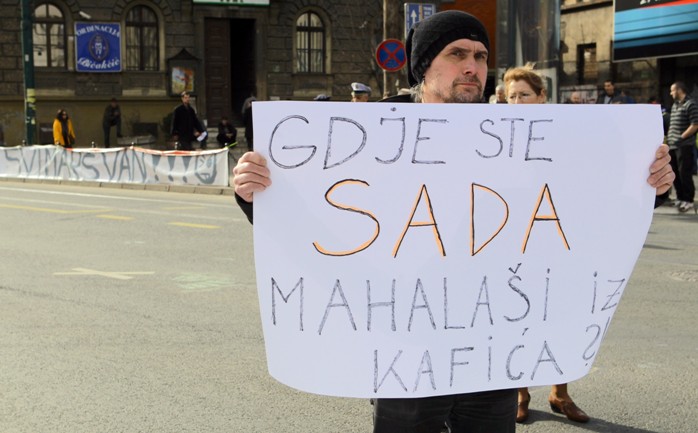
pixel 119 165
pixel 408 250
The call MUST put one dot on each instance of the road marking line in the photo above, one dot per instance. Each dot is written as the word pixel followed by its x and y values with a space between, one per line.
pixel 199 283
pixel 115 275
pixel 115 197
pixel 182 208
pixel 115 217
pixel 48 210
pixel 196 226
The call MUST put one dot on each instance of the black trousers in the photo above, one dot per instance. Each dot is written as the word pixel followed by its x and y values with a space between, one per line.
pixel 478 412
pixel 682 162
pixel 107 131
pixel 185 145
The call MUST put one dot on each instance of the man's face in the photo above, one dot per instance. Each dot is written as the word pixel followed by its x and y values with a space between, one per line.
pixel 457 74
pixel 501 95
pixel 609 88
pixel 576 98
pixel 185 99
pixel 675 93
pixel 359 97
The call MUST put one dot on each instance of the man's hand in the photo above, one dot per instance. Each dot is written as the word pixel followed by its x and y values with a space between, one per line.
pixel 661 174
pixel 250 175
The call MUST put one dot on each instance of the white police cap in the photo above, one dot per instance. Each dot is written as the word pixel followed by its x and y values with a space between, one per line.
pixel 360 88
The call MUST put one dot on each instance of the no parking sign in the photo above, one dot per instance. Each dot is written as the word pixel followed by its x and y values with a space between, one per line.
pixel 390 55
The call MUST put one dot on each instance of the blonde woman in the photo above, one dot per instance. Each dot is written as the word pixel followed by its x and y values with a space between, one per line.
pixel 524 86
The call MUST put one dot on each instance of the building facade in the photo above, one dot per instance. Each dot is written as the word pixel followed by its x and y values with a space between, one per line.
pixel 223 51
pixel 587 44
pixel 587 33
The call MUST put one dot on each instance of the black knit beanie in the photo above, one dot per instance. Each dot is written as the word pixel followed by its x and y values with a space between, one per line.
pixel 427 38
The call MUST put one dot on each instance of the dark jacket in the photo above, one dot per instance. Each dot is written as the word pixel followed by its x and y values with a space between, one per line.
pixel 184 123
pixel 615 98
pixel 112 115
pixel 223 131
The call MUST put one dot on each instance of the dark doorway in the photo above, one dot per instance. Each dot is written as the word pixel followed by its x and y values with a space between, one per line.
pixel 242 71
pixel 217 61
pixel 230 67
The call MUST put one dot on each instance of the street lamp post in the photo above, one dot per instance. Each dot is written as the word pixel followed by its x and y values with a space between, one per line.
pixel 28 60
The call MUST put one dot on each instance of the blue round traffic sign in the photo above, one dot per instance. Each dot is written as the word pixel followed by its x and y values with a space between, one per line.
pixel 390 55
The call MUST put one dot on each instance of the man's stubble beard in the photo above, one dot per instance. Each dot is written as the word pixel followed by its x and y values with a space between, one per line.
pixel 462 97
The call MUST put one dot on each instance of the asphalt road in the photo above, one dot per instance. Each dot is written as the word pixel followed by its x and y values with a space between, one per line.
pixel 136 311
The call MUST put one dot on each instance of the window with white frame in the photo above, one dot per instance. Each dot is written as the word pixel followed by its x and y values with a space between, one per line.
pixel 310 43
pixel 49 36
pixel 142 39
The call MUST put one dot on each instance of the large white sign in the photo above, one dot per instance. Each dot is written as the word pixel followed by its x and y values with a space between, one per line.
pixel 118 165
pixel 409 250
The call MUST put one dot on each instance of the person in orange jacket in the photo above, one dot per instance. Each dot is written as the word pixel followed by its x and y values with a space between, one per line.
pixel 63 133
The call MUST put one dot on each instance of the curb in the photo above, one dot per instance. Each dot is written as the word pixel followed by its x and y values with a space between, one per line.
pixel 192 189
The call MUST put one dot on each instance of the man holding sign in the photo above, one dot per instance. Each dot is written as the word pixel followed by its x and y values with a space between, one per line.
pixel 447 60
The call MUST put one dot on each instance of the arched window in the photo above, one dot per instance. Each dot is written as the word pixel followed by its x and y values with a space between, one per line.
pixel 310 44
pixel 142 40
pixel 49 36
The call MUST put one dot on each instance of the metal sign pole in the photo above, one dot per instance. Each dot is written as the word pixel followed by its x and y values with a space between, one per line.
pixel 385 36
pixel 28 57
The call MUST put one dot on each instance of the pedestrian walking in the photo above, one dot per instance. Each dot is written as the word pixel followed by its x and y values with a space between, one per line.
pixel 185 125
pixel 681 138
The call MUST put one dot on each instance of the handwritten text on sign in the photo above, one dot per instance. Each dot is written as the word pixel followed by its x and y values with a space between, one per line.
pixel 409 250
pixel 118 165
